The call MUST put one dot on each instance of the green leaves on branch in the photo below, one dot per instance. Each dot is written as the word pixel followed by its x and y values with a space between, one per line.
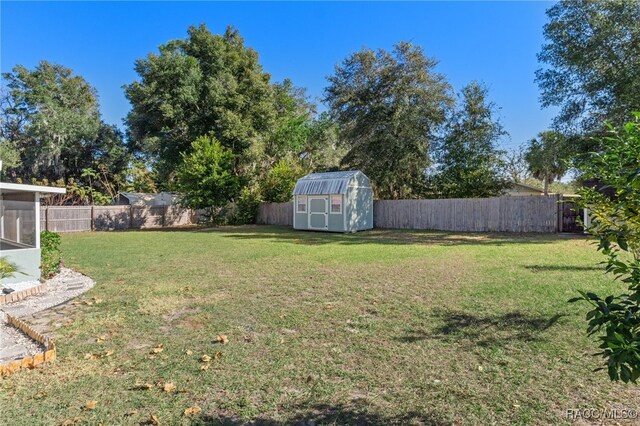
pixel 615 221
pixel 205 178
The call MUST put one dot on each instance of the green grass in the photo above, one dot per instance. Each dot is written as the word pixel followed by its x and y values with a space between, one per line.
pixel 378 327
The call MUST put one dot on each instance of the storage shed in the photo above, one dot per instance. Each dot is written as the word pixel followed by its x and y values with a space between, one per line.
pixel 334 202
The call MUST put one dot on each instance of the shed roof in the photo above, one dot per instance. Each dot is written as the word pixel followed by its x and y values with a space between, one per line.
pixel 327 183
pixel 150 199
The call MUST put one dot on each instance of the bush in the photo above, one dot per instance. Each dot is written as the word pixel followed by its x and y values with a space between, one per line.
pixel 615 319
pixel 51 256
pixel 7 269
pixel 279 183
pixel 247 206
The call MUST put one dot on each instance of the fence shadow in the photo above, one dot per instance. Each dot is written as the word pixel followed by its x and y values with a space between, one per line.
pixel 491 330
pixel 379 236
pixel 562 268
pixel 357 413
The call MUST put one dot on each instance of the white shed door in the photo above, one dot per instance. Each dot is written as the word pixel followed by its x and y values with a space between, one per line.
pixel 318 212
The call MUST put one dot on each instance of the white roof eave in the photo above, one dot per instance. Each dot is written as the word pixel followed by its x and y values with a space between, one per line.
pixel 19 187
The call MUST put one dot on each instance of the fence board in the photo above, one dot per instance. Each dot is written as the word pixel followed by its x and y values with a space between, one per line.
pixel 107 218
pixel 275 214
pixel 499 214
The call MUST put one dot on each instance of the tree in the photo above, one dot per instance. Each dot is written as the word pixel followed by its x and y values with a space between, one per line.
pixel 516 164
pixel 205 178
pixel 592 56
pixel 616 224
pixel 547 157
pixel 468 162
pixel 388 106
pixel 278 186
pixel 50 117
pixel 204 83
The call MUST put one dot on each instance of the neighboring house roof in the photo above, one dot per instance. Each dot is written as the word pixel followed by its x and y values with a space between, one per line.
pixel 7 188
pixel 523 187
pixel 150 199
pixel 329 183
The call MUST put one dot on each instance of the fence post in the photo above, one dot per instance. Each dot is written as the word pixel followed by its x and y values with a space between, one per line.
pixel 130 216
pixel 93 218
pixel 164 214
pixel 46 218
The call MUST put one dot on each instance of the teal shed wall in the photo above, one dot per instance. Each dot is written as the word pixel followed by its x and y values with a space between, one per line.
pixel 357 203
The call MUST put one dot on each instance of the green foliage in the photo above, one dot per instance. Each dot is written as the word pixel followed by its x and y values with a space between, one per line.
pixel 204 83
pixel 468 162
pixel 7 269
pixel 548 157
pixel 205 179
pixel 247 206
pixel 51 118
pixel 593 58
pixel 278 186
pixel 615 221
pixel 51 255
pixel 388 106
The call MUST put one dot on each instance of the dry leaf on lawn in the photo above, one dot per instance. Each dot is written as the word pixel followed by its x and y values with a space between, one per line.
pixel 142 386
pixel 168 387
pixel 221 338
pixel 205 358
pixel 101 338
pixel 188 351
pixel 192 411
pixel 91 404
pixel 159 348
pixel 205 366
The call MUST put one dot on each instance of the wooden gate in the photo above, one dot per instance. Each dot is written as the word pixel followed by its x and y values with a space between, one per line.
pixel 569 216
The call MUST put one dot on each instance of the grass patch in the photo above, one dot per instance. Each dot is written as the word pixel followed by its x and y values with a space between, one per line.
pixel 372 328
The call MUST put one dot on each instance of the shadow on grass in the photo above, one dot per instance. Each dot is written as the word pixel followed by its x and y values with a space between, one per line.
pixel 496 330
pixel 322 414
pixel 562 268
pixel 378 236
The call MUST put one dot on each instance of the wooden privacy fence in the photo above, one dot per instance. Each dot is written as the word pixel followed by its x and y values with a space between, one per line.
pixel 275 214
pixel 105 218
pixel 499 214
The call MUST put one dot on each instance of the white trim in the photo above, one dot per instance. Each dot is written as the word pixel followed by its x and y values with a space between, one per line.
pixel 19 187
pixel 324 198
pixel 331 203
pixel 306 203
pixel 37 224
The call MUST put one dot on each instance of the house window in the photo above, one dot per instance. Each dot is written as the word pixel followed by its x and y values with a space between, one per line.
pixel 301 204
pixel 336 204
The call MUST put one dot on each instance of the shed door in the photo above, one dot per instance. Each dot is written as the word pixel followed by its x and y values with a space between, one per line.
pixel 318 212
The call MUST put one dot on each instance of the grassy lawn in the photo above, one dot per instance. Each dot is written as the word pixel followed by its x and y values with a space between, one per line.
pixel 379 327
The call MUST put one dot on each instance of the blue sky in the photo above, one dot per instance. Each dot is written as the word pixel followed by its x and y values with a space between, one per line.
pixel 493 42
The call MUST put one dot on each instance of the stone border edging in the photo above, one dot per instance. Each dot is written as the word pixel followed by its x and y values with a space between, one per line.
pixel 31 361
pixel 22 294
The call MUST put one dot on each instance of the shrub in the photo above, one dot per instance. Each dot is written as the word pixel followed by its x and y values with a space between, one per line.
pixel 247 206
pixel 279 183
pixel 616 224
pixel 51 256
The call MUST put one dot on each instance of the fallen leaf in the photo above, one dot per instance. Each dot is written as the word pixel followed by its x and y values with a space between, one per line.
pixel 192 411
pixel 205 358
pixel 480 368
pixel 188 351
pixel 221 338
pixel 91 404
pixel 282 316
pixel 152 420
pixel 168 387
pixel 72 421
pixel 142 386
pixel 159 348
pixel 90 356
pixel 107 353
pixel 101 338
pixel 247 339
pixel 96 300
pixel 205 366
pixel 217 355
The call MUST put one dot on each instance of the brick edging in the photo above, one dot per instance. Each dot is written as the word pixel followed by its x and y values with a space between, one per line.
pixel 49 353
pixel 22 294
